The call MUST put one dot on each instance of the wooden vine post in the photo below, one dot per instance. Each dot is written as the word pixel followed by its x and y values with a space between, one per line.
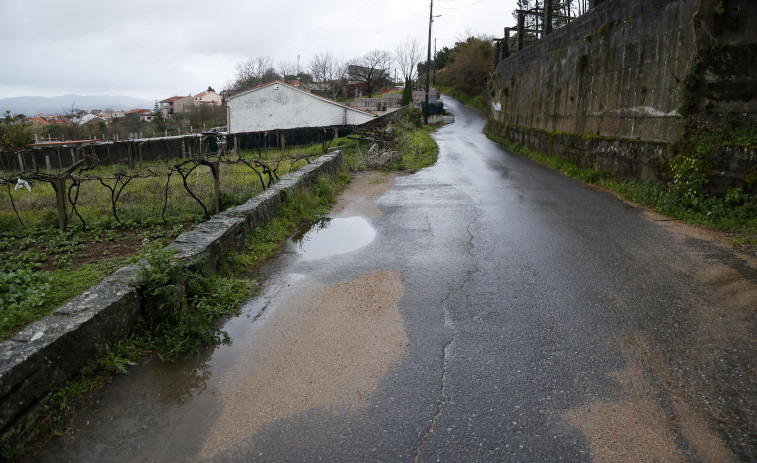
pixel 215 169
pixel 59 185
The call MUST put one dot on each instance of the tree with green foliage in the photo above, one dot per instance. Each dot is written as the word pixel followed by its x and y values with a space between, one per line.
pixel 15 134
pixel 157 117
pixel 407 93
pixel 437 63
pixel 468 65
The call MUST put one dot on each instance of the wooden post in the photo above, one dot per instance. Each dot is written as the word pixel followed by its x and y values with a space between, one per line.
pixel 521 26
pixel 547 25
pixel 507 42
pixel 59 185
pixel 215 167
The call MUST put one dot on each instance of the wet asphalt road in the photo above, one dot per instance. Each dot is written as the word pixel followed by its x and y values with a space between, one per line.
pixel 539 320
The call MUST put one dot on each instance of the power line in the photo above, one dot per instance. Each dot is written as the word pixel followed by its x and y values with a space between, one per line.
pixel 461 7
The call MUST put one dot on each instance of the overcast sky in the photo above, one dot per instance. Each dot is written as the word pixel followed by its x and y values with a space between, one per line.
pixel 160 48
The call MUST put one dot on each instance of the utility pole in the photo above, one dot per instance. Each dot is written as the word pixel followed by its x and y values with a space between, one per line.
pixel 434 62
pixel 428 60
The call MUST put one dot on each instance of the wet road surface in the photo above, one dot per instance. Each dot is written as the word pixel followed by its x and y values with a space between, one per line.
pixel 495 311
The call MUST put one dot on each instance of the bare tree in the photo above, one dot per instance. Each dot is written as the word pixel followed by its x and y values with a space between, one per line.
pixel 251 73
pixel 289 70
pixel 371 68
pixel 407 56
pixel 329 74
pixel 73 129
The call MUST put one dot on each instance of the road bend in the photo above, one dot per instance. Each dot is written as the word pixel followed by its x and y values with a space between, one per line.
pixel 493 310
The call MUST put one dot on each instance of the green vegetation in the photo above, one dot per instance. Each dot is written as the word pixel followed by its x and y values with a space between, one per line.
pixel 408 135
pixel 683 199
pixel 468 64
pixel 475 100
pixel 42 267
pixel 187 302
pixel 407 93
pixel 689 98
pixel 28 293
pixel 143 200
pixel 195 120
pixel 14 134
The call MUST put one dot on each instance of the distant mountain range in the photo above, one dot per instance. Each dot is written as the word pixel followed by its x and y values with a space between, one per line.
pixel 31 105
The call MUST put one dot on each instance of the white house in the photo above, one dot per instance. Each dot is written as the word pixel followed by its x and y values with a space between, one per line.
pixel 277 105
pixel 208 98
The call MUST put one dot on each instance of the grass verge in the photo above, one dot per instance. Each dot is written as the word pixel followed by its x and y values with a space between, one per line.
pixel 477 101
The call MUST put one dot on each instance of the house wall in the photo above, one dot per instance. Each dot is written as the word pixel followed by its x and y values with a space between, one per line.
pixel 279 106
pixel 183 105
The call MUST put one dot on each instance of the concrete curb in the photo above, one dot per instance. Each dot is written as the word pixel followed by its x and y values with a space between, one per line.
pixel 51 351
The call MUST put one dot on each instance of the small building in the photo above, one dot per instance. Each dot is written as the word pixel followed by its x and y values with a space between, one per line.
pixel 279 106
pixel 142 114
pixel 175 105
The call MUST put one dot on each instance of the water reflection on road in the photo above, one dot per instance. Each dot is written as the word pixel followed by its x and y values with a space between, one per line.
pixel 329 237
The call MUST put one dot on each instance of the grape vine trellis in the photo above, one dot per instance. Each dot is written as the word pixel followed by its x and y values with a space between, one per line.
pixel 68 183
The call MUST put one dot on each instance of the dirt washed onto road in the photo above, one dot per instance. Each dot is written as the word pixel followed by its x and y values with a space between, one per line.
pixel 665 410
pixel 323 346
pixel 644 424
pixel 361 195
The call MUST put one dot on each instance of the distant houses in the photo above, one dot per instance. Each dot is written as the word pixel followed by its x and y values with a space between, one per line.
pixel 182 104
pixel 169 108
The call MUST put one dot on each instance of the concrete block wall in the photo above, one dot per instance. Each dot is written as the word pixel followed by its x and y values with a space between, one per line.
pixel 617 74
pixel 615 71
pixel 48 353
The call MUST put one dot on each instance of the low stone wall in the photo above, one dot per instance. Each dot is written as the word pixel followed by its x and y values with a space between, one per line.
pixel 732 166
pixel 627 158
pixel 48 353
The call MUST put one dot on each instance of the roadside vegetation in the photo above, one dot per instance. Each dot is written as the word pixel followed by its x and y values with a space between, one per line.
pixel 42 267
pixel 408 135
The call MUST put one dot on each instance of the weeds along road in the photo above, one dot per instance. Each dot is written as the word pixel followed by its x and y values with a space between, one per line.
pixel 502 312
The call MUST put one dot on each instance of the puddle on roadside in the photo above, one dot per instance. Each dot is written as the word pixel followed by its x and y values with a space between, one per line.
pixel 330 237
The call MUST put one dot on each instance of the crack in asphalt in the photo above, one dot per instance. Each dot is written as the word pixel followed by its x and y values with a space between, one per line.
pixel 446 395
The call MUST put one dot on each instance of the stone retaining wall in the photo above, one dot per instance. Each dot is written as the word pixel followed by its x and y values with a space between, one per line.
pixel 614 82
pixel 48 353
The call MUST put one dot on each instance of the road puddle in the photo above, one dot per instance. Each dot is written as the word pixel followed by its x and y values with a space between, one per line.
pixel 330 237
